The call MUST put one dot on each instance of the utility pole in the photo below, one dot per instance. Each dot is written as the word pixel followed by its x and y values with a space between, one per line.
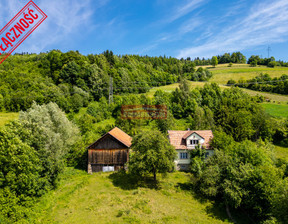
pixel 268 50
pixel 111 90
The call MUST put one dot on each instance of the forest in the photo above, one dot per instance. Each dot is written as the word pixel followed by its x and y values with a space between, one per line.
pixel 52 89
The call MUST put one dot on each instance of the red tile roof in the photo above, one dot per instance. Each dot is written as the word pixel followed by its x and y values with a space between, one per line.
pixel 121 136
pixel 178 138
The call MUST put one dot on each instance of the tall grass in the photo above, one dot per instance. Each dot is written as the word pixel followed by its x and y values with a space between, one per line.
pixel 113 198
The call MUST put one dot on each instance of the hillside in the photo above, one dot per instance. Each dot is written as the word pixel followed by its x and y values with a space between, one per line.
pixel 112 198
pixel 222 73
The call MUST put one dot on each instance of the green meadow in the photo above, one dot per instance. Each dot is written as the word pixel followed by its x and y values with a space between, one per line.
pixel 114 198
pixel 276 110
pixel 222 73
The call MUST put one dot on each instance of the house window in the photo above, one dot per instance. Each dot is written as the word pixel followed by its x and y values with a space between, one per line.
pixel 183 155
pixel 194 142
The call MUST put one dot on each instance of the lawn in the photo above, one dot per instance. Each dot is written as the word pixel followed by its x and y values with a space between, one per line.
pixel 112 198
pixel 6 117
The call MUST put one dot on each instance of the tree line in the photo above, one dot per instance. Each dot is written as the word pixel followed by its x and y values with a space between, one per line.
pixel 73 80
pixel 264 83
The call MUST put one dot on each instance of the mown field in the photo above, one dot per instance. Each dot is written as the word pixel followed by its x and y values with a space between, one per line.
pixel 222 73
pixel 113 198
pixel 276 110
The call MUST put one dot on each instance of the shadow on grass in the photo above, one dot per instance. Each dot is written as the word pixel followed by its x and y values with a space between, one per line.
pixel 213 209
pixel 192 189
pixel 128 181
pixel 218 210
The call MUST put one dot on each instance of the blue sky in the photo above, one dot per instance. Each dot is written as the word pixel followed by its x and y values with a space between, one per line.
pixel 177 28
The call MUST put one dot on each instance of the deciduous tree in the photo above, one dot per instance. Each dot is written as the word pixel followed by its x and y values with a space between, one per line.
pixel 214 61
pixel 151 154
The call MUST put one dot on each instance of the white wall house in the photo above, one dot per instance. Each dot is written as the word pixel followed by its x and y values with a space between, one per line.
pixel 184 141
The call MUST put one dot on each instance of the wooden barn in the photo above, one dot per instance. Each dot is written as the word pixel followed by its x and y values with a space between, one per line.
pixel 110 152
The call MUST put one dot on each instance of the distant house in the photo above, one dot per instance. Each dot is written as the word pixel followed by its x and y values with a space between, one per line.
pixel 110 152
pixel 184 141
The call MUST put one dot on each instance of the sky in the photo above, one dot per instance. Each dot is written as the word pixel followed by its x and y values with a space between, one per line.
pixel 176 28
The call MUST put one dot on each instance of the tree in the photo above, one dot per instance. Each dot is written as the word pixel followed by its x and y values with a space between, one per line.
pixel 52 136
pixel 20 178
pixel 253 63
pixel 214 61
pixel 151 153
pixel 1 103
pixel 243 175
pixel 280 202
pixel 272 64
pixel 166 124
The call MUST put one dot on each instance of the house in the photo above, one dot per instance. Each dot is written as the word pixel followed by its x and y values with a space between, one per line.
pixel 184 141
pixel 110 152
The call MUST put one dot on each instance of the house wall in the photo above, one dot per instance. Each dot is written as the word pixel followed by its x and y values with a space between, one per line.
pixel 194 136
pixel 182 164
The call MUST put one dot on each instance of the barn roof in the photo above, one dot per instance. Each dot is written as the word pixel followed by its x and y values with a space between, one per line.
pixel 178 138
pixel 119 135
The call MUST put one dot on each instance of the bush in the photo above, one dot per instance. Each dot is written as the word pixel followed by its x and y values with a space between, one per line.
pixel 272 64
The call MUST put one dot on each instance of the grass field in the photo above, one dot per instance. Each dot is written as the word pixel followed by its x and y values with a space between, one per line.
pixel 6 117
pixel 171 87
pixel 276 110
pixel 222 73
pixel 111 198
pixel 281 152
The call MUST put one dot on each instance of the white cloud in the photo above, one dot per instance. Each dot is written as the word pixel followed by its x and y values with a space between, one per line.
pixel 66 18
pixel 265 23
pixel 185 9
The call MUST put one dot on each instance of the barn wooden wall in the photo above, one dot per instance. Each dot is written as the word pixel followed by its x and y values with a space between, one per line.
pixel 107 142
pixel 107 152
pixel 99 167
pixel 108 156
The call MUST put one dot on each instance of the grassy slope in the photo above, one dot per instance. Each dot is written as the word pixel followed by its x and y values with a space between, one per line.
pixel 106 198
pixel 222 73
pixel 6 117
pixel 276 110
